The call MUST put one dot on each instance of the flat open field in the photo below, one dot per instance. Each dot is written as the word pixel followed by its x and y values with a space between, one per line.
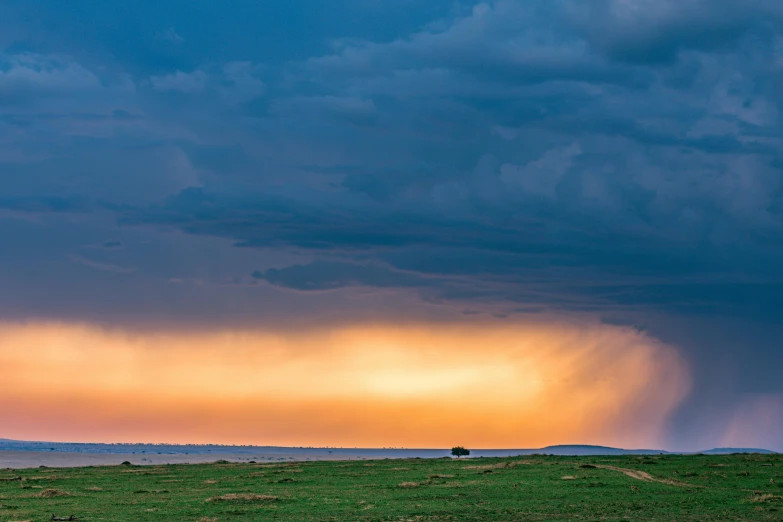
pixel 699 488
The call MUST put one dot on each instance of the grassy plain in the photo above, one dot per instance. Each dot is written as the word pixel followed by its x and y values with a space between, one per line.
pixel 698 488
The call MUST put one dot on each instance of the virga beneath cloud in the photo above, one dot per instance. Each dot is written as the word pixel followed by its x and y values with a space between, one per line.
pixel 484 385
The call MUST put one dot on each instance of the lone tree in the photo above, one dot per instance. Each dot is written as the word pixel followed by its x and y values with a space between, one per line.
pixel 459 451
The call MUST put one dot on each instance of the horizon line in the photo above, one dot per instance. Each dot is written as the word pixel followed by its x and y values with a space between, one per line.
pixel 385 448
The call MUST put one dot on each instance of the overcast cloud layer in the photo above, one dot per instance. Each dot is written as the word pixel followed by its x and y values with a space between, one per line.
pixel 178 163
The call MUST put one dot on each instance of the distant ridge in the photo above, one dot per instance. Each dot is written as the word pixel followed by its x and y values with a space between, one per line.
pixel 728 451
pixel 583 449
pixel 579 449
pixel 217 449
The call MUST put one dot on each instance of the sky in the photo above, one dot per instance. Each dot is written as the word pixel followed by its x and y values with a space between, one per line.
pixel 392 223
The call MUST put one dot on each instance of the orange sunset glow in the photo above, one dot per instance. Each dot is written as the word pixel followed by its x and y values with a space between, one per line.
pixel 482 385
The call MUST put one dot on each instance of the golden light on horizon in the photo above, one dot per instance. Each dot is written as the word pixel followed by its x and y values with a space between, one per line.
pixel 480 385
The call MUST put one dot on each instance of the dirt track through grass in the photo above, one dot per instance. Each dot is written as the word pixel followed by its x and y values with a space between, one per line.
pixel 646 477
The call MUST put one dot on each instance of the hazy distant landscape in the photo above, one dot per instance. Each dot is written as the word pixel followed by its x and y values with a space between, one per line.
pixel 24 454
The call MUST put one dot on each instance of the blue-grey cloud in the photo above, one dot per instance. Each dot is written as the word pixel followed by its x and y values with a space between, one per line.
pixel 620 158
pixel 98 265
pixel 330 275
pixel 657 32
pixel 47 204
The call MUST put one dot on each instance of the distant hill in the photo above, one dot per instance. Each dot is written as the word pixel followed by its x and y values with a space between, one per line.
pixel 605 450
pixel 581 449
pixel 728 451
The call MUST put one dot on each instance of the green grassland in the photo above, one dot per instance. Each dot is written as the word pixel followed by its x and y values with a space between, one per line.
pixel 666 487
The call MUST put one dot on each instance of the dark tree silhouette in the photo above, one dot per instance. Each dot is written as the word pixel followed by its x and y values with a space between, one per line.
pixel 459 451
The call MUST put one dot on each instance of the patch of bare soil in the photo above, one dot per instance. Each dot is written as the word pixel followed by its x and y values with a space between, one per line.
pixel 501 465
pixel 766 498
pixel 243 497
pixel 52 493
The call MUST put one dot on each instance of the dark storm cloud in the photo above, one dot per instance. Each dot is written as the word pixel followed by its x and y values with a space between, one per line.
pixel 655 32
pixel 329 275
pixel 617 157
pixel 53 204
pixel 576 146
